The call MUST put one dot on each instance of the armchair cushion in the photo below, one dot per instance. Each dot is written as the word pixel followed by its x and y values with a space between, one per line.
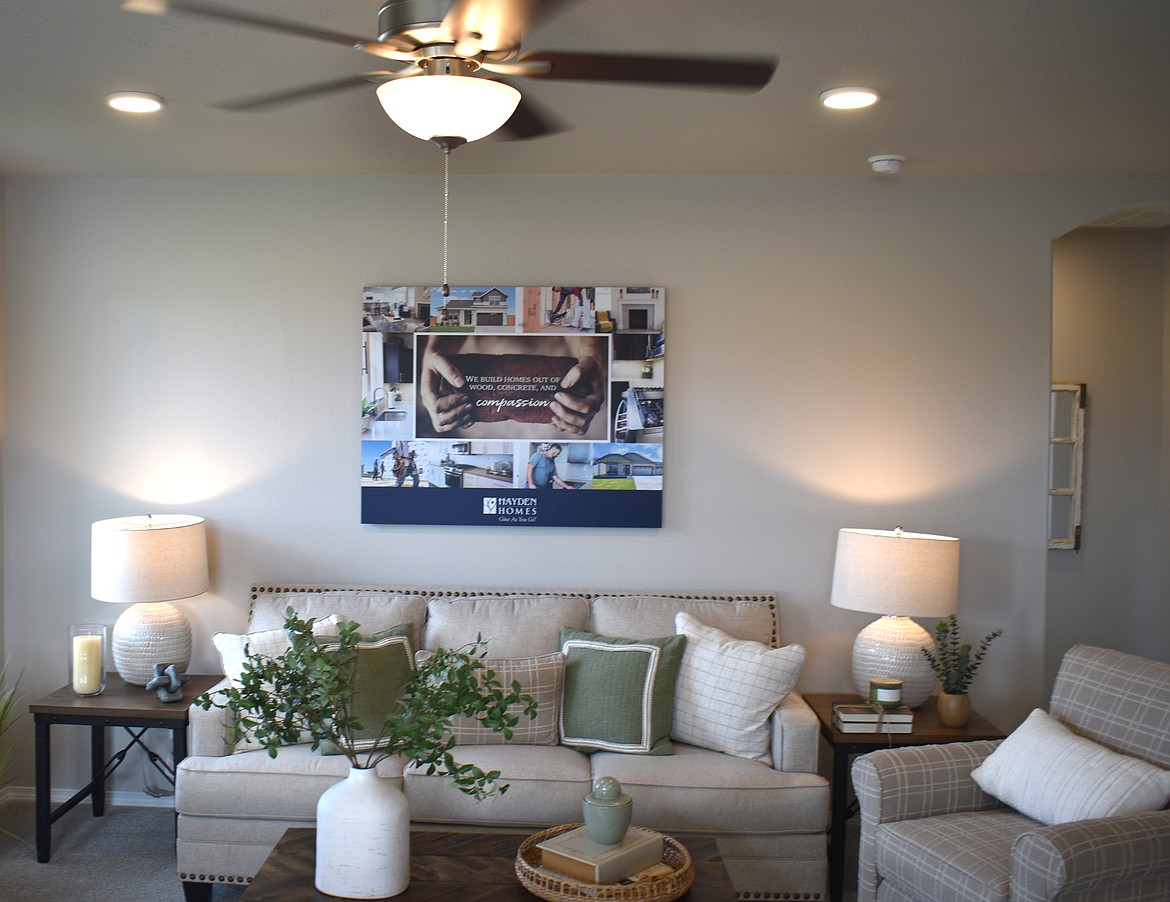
pixel 1052 775
pixel 965 857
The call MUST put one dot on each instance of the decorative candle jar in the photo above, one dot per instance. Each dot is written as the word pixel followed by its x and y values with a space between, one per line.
pixel 87 658
pixel 885 691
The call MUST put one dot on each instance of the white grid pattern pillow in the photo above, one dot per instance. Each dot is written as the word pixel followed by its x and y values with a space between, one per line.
pixel 728 688
pixel 1052 775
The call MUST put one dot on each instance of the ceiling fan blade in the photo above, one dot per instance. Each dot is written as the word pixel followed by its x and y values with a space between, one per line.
pixel 667 70
pixel 267 23
pixel 530 121
pixel 489 25
pixel 303 93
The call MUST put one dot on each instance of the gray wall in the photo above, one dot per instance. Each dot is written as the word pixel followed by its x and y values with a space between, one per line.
pixel 844 352
pixel 1109 305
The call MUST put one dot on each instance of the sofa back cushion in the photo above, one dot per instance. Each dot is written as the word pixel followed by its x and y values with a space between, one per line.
pixel 518 625
pixel 1116 699
pixel 375 610
pixel 643 616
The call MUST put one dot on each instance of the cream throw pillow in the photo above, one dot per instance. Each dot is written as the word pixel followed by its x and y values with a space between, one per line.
pixel 1052 775
pixel 727 689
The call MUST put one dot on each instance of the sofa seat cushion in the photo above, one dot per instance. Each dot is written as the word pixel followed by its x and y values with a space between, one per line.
pixel 965 857
pixel 705 791
pixel 253 784
pixel 545 786
pixel 517 625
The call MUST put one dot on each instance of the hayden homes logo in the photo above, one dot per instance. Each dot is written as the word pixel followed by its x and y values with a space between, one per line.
pixel 511 508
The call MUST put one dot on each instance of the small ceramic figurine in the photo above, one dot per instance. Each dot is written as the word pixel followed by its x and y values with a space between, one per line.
pixel 168 682
pixel 607 811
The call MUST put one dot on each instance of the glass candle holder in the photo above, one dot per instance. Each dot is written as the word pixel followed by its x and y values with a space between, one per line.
pixel 885 691
pixel 87 658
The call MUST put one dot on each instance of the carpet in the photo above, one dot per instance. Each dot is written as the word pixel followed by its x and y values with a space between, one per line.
pixel 126 856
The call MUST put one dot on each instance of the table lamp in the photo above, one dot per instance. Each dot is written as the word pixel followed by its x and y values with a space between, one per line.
pixel 899 575
pixel 150 561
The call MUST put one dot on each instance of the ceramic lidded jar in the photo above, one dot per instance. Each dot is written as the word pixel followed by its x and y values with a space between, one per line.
pixel 607 811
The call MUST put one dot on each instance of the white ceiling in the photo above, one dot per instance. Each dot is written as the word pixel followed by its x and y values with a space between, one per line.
pixel 971 88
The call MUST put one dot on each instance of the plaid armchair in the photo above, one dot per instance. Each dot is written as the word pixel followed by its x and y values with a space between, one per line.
pixel 929 833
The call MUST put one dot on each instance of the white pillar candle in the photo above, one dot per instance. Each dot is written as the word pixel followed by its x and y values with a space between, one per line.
pixel 87 664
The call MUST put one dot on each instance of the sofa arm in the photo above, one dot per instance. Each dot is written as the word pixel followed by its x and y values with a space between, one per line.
pixel 909 783
pixel 1080 857
pixel 207 731
pixel 795 734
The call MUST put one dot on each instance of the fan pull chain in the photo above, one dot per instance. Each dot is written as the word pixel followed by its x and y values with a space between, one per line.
pixel 446 195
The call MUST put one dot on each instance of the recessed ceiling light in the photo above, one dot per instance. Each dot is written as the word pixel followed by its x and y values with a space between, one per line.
pixel 849 98
pixel 135 102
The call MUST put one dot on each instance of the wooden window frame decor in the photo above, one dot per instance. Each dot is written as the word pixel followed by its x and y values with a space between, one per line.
pixel 1066 464
pixel 513 406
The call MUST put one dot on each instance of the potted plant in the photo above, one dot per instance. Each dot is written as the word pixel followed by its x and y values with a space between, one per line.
pixel 8 716
pixel 955 666
pixel 309 692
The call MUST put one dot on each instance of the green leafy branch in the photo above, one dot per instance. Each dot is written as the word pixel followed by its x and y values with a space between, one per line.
pixel 955 665
pixel 310 689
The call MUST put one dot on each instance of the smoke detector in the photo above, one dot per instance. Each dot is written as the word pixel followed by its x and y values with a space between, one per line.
pixel 886 163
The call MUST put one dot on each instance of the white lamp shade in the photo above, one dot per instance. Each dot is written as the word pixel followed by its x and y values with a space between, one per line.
pixel 448 106
pixel 150 558
pixel 907 574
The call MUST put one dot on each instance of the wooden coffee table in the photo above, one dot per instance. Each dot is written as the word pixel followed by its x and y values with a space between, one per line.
pixel 466 867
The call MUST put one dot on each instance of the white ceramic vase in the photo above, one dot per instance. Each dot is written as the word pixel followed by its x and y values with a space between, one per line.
pixel 363 838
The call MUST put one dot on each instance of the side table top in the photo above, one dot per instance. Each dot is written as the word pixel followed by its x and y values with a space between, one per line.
pixel 927 729
pixel 120 699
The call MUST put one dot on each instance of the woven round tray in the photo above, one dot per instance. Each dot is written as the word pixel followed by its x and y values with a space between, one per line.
pixel 556 888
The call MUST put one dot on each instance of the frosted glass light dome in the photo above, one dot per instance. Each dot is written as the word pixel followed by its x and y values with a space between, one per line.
pixel 448 106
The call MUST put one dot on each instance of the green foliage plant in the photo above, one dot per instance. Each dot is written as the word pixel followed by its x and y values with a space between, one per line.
pixel 955 665
pixel 9 713
pixel 310 689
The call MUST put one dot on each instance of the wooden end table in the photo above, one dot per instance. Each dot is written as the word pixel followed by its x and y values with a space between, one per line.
pixel 119 705
pixel 454 867
pixel 927 731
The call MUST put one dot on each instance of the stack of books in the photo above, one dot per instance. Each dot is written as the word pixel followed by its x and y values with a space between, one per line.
pixel 575 855
pixel 872 719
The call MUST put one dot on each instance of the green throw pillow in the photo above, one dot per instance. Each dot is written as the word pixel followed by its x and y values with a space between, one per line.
pixel 384 665
pixel 619 693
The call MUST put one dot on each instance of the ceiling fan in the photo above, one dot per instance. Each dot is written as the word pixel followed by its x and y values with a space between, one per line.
pixel 445 46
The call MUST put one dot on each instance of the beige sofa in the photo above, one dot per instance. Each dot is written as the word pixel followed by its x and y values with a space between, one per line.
pixel 769 814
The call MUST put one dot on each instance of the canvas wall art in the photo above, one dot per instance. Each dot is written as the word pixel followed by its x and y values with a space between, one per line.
pixel 513 406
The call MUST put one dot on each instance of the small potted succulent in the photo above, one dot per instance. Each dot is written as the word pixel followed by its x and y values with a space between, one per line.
pixel 955 666
pixel 309 692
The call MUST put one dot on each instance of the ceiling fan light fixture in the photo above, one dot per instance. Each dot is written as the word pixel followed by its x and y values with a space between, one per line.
pixel 448 106
pixel 134 102
pixel 849 98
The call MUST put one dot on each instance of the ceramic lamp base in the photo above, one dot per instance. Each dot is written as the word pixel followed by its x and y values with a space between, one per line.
pixel 149 634
pixel 892 647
